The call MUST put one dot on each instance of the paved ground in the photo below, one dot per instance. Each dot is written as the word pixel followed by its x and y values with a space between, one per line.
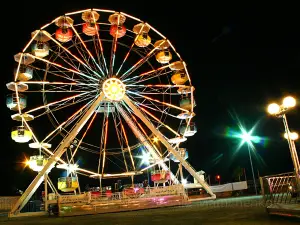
pixel 233 211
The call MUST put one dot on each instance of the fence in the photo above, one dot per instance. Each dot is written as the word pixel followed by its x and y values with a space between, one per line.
pixel 280 189
pixel 7 202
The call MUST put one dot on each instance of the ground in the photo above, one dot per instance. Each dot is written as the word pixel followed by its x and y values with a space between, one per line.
pixel 230 211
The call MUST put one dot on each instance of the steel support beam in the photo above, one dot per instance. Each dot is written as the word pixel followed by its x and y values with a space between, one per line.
pixel 146 143
pixel 176 154
pixel 53 159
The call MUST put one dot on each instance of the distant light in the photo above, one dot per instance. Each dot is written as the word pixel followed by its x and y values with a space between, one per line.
pixel 293 135
pixel 155 139
pixel 184 181
pixel 146 158
pixel 218 177
pixel 246 137
pixel 289 102
pixel 273 108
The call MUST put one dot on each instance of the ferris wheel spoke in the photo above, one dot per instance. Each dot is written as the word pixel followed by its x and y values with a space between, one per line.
pixel 55 102
pixel 88 51
pixel 74 56
pixel 158 101
pixel 84 134
pixel 155 110
pixel 126 56
pixel 67 121
pixel 140 62
pixel 114 49
pixel 65 105
pixel 144 101
pixel 157 75
pixel 137 65
pixel 83 55
pixel 69 61
pixel 158 120
pixel 100 45
pixel 68 89
pixel 99 52
pixel 157 86
pixel 58 86
pixel 148 73
pixel 67 69
pixel 63 74
pixel 153 121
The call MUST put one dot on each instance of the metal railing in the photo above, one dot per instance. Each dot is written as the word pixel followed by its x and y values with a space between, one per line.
pixel 148 192
pixel 280 189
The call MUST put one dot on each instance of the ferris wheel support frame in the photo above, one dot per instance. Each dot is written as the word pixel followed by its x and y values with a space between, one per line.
pixel 148 146
pixel 58 153
pixel 176 154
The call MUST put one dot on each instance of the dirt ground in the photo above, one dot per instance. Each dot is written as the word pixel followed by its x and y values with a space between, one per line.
pixel 230 211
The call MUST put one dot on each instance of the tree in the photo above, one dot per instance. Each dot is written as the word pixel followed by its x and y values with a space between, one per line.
pixel 237 173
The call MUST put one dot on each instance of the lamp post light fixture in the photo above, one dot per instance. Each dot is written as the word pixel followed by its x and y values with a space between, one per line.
pixel 293 135
pixel 280 112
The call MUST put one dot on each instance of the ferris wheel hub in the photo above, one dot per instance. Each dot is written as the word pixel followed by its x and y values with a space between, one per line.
pixel 113 89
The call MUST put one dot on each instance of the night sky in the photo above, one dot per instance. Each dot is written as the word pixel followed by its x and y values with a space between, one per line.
pixel 240 58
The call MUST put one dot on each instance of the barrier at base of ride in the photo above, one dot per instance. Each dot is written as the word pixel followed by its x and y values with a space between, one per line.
pixel 7 202
pixel 281 194
pixel 70 205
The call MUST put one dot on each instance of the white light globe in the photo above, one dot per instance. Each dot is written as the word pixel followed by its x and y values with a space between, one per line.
pixel 289 102
pixel 293 135
pixel 273 108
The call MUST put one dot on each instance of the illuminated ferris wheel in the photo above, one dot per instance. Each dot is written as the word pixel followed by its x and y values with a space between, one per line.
pixel 96 91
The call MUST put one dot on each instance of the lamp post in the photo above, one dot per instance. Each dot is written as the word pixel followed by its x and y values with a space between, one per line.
pixel 280 112
pixel 247 138
pixel 293 137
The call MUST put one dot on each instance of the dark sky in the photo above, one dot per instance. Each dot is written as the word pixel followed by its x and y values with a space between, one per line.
pixel 240 57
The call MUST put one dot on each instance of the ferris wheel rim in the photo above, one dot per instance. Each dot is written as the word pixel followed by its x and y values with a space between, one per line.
pixel 124 14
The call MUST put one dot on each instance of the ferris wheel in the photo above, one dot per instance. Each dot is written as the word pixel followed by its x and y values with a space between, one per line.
pixel 96 91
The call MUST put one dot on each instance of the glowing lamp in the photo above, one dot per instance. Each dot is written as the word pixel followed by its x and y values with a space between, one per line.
pixel 155 139
pixel 289 102
pixel 293 136
pixel 273 108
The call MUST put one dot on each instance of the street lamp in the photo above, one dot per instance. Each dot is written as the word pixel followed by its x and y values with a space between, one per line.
pixel 293 135
pixel 280 111
pixel 248 138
